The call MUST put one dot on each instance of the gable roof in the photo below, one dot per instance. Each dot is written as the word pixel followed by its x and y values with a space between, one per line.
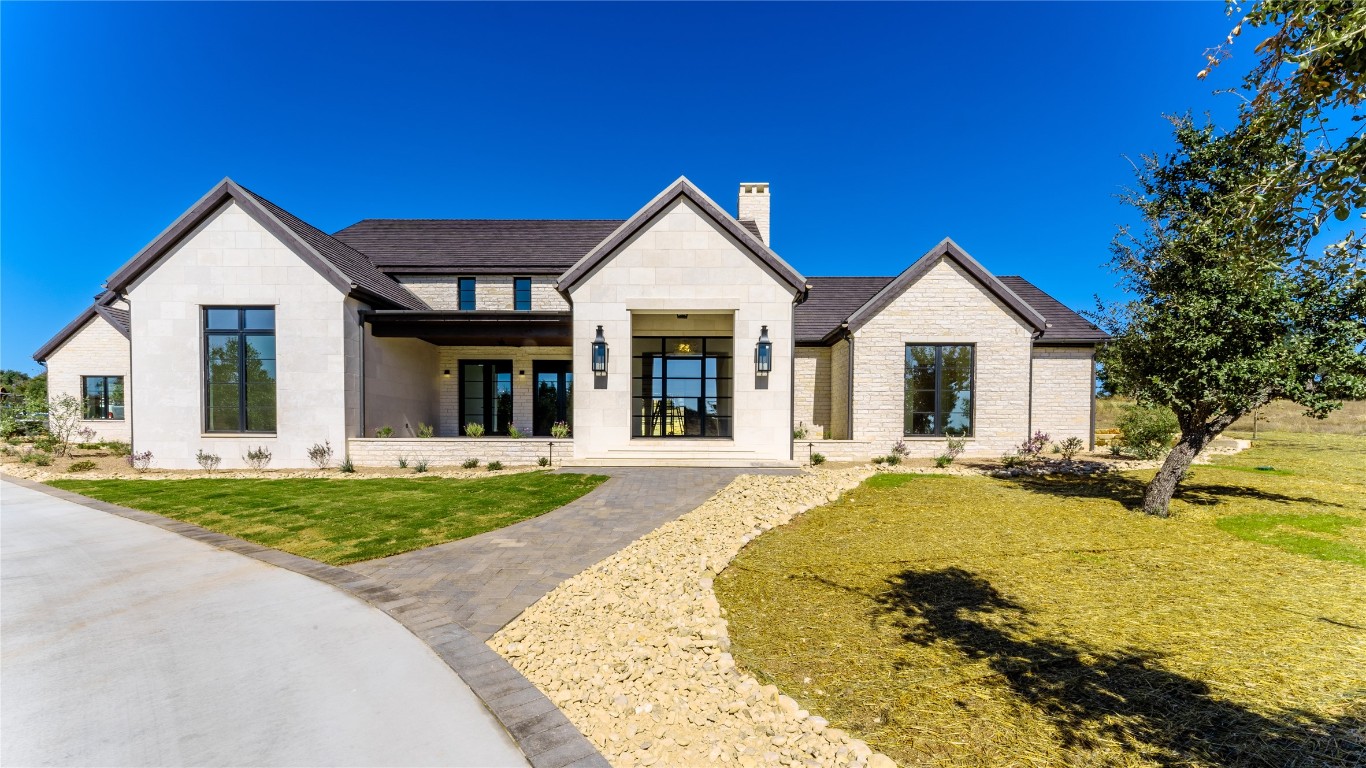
pixel 946 249
pixel 1064 325
pixel 831 301
pixel 118 318
pixel 338 263
pixel 682 188
pixel 476 246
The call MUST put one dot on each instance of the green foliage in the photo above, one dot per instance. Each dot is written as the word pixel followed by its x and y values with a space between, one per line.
pixel 1070 447
pixel 1320 536
pixel 800 431
pixel 494 466
pixel 1146 432
pixel 257 458
pixel 953 448
pixel 474 430
pixel 543 461
pixel 64 416
pixel 118 448
pixel 346 466
pixel 384 432
pixel 47 444
pixel 892 459
pixel 321 454
pixel 402 462
pixel 943 460
pixel 470 463
pixel 425 430
pixel 41 458
pixel 817 459
pixel 420 466
pixel 81 466
pixel 514 432
pixel 208 461
pixel 879 460
pixel 559 430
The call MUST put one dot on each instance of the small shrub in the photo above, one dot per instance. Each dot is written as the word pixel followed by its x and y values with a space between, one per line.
pixel 7 450
pixel 943 460
pixel 1013 460
pixel 953 448
pixel 900 450
pixel 45 444
pixel 1070 447
pixel 402 462
pixel 41 458
pixel 893 459
pixel 1115 449
pixel 514 432
pixel 817 459
pixel 118 448
pixel 800 431
pixel 86 435
pixel 559 430
pixel 425 430
pixel 81 466
pixel 321 454
pixel 544 461
pixel 879 460
pixel 140 461
pixel 474 430
pixel 420 466
pixel 384 432
pixel 825 435
pixel 208 461
pixel 90 446
pixel 1146 431
pixel 494 466
pixel 346 466
pixel 257 458
pixel 64 416
pixel 470 463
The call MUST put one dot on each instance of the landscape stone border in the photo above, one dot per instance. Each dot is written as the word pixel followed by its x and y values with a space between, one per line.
pixel 546 737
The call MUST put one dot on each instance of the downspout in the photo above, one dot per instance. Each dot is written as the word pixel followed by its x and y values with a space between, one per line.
pixel 1091 438
pixel 128 390
pixel 849 387
pixel 1029 407
pixel 360 387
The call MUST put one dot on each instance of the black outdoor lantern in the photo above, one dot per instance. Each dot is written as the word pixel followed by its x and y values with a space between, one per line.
pixel 600 354
pixel 763 354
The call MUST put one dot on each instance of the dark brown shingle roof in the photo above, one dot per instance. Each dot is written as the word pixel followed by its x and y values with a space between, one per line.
pixel 831 301
pixel 477 246
pixel 1064 325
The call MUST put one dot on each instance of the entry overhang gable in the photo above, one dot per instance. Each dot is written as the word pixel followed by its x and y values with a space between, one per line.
pixel 479 329
pixel 683 188
pixel 946 249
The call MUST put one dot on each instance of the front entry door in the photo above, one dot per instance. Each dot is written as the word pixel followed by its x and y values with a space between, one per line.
pixel 486 395
pixel 554 395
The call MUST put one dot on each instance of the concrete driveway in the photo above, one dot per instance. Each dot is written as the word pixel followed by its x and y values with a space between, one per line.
pixel 122 644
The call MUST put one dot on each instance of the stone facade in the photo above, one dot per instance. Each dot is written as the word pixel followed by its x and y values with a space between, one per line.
pixel 97 349
pixel 1063 397
pixel 452 452
pixel 839 390
pixel 523 382
pixel 491 292
pixel 811 389
pixel 945 306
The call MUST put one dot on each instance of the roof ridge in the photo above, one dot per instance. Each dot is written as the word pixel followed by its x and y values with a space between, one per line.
pixel 390 218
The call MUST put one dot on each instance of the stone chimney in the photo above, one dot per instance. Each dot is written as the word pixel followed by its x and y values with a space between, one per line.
pixel 754 206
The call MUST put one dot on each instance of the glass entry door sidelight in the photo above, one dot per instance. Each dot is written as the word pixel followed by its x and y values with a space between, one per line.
pixel 486 395
pixel 554 382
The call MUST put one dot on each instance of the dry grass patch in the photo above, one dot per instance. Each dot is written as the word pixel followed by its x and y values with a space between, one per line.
pixel 976 622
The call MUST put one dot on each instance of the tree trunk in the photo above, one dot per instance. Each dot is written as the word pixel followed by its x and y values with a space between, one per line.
pixel 1158 496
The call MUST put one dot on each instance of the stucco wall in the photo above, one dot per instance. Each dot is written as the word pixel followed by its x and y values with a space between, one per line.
pixel 945 306
pixel 682 262
pixel 523 384
pixel 811 389
pixel 230 260
pixel 402 384
pixel 491 292
pixel 97 349
pixel 1063 392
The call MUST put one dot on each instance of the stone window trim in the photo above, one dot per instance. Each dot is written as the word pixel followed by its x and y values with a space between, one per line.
pixel 107 405
pixel 208 330
pixel 466 294
pixel 940 412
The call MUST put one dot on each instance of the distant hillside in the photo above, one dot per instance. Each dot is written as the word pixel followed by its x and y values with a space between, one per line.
pixel 1280 416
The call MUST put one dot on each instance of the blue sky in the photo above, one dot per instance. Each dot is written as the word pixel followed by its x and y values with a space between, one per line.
pixel 882 128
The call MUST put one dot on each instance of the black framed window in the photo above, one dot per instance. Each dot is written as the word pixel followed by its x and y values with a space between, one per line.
pixel 681 386
pixel 554 382
pixel 467 293
pixel 939 385
pixel 486 395
pixel 239 369
pixel 521 294
pixel 103 397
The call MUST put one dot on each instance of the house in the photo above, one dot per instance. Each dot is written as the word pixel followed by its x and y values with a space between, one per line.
pixel 676 336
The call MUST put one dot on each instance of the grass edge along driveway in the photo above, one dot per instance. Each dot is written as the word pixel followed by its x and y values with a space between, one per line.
pixel 346 521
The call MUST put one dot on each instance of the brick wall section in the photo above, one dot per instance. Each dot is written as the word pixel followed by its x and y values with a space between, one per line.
pixel 452 452
pixel 95 350
pixel 491 292
pixel 1063 392
pixel 811 389
pixel 945 306
pixel 523 386
pixel 839 390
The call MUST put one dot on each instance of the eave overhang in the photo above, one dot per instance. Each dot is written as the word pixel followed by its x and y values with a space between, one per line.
pixel 478 328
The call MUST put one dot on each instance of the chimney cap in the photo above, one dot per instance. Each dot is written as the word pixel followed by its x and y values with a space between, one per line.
pixel 753 187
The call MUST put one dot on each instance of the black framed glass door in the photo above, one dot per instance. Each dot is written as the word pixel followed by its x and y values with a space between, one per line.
pixel 486 395
pixel 681 386
pixel 554 383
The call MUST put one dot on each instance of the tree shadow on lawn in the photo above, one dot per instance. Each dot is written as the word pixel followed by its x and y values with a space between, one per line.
pixel 1128 491
pixel 1093 697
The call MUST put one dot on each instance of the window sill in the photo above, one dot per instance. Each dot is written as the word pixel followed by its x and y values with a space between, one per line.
pixel 101 421
pixel 238 434
pixel 935 437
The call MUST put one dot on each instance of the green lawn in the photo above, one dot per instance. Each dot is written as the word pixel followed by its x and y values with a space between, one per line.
pixel 346 521
pixel 970 621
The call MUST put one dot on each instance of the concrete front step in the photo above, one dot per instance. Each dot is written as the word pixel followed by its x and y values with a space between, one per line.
pixel 665 460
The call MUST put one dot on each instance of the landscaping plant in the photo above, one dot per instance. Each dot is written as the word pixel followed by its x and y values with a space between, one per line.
pixel 257 458
pixel 321 454
pixel 140 461
pixel 402 462
pixel 41 458
pixel 118 448
pixel 494 466
pixel 514 432
pixel 346 466
pixel 473 429
pixel 1147 431
pixel 384 432
pixel 1070 447
pixel 470 463
pixel 81 466
pixel 817 459
pixel 64 421
pixel 420 466
pixel 543 461
pixel 559 430
pixel 208 461
pixel 953 448
pixel 425 430
pixel 799 432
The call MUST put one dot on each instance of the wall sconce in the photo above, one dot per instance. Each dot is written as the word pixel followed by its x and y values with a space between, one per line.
pixel 763 354
pixel 600 354
pixel 446 374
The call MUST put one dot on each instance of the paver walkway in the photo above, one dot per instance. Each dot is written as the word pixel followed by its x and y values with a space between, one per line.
pixel 483 582
pixel 124 644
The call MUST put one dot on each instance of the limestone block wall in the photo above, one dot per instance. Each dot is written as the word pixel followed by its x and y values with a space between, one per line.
pixel 811 389
pixel 231 260
pixel 452 452
pixel 97 349
pixel 1064 392
pixel 682 262
pixel 491 292
pixel 945 306
pixel 523 382
pixel 839 390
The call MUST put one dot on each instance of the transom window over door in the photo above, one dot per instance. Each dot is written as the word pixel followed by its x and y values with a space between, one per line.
pixel 939 385
pixel 239 369
pixel 681 386
pixel 103 397
pixel 486 395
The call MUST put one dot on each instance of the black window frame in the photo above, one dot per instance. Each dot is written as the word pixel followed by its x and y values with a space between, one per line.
pixel 563 371
pixel 517 294
pixel 939 412
pixel 497 366
pixel 473 287
pixel 106 406
pixel 725 417
pixel 242 332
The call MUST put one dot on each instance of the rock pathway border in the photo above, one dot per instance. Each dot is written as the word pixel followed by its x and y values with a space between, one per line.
pixel 635 650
